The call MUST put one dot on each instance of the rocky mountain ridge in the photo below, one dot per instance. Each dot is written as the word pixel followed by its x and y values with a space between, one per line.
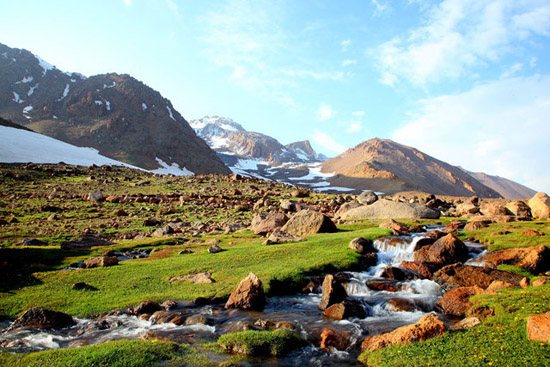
pixel 121 117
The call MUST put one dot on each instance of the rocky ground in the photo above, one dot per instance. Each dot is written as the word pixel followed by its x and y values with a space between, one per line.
pixel 58 216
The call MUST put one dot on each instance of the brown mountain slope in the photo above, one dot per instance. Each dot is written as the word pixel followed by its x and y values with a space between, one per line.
pixel 507 188
pixel 389 167
pixel 118 115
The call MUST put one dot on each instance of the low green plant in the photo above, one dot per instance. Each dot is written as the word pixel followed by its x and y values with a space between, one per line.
pixel 261 343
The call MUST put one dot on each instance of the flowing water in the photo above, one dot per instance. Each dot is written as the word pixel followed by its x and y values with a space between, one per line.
pixel 300 311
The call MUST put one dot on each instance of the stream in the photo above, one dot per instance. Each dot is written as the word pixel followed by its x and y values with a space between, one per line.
pixel 399 303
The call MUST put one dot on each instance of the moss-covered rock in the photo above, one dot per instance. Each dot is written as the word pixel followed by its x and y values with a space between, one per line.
pixel 261 343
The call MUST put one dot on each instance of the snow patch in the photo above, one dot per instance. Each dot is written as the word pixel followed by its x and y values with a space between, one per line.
pixel 108 105
pixel 27 109
pixel 65 93
pixel 16 98
pixel 170 112
pixel 173 169
pixel 44 64
pixel 109 86
pixel 55 117
pixel 73 80
pixel 99 103
pixel 335 188
pixel 21 146
pixel 26 79
pixel 31 89
pixel 143 106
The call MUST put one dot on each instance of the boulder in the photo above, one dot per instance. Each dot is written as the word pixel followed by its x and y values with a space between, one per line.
pixel 38 317
pixel 390 209
pixel 532 233
pixel 332 339
pixel 249 294
pixel 345 207
pixel 540 205
pixel 263 224
pixel 99 261
pixel 346 309
pixel 362 245
pixel 401 305
pixel 367 197
pixel 458 275
pixel 467 323
pixel 395 273
pixel 333 292
pixel 428 327
pixel 541 281
pixel 492 209
pixel 214 249
pixel 538 328
pixel 446 250
pixel 199 278
pixel 422 269
pixel 476 225
pixel 96 196
pixel 308 222
pixel 466 209
pixel 397 228
pixel 519 209
pixel 457 301
pixel 279 236
pixel 534 259
pixel 147 307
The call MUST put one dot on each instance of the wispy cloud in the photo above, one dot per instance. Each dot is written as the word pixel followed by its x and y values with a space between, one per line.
pixel 380 6
pixel 327 142
pixel 127 2
pixel 173 6
pixel 349 62
pixel 325 112
pixel 345 45
pixel 355 127
pixel 459 36
pixel 499 127
pixel 358 113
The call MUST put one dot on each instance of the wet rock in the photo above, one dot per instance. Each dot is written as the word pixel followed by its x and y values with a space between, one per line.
pixel 214 249
pixel 333 292
pixel 169 305
pixel 308 222
pixel 263 224
pixel 249 294
pixel 397 228
pixel 285 325
pixel 196 319
pixel 100 261
pixel 534 259
pixel 538 328
pixel 83 286
pixel 423 270
pixel 428 327
pixel 362 245
pixel 149 307
pixel 388 286
pixel 467 323
pixel 279 236
pixel 368 260
pixel 395 273
pixel 367 197
pixel 151 335
pixel 458 275
pixel 446 250
pixel 40 318
pixel 344 310
pixel 456 302
pixel 389 209
pixel 264 324
pixel 331 339
pixel 401 305
pixel 540 205
pixel 162 317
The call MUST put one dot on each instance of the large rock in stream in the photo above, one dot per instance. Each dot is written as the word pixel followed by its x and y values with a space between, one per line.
pixel 249 294
pixel 333 292
pixel 446 250
pixel 457 301
pixel 428 327
pixel 38 317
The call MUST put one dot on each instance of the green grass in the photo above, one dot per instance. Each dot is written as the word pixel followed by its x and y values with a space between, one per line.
pixel 280 267
pixel 261 343
pixel 122 353
pixel 500 340
pixel 495 241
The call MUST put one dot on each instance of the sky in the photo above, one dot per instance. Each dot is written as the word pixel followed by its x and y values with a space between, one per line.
pixel 466 81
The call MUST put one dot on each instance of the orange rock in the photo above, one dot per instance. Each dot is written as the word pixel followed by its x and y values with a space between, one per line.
pixel 540 281
pixel 249 294
pixel 538 328
pixel 457 301
pixel 428 327
pixel 535 259
pixel 332 339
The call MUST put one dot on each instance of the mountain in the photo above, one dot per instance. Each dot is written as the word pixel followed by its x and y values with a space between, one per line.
pixel 386 166
pixel 507 188
pixel 118 115
pixel 229 138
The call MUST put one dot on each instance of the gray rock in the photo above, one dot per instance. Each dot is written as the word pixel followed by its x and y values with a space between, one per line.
pixel 389 209
pixel 367 197
pixel 309 222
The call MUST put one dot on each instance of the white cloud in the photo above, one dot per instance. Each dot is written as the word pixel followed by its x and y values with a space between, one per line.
pixel 349 62
pixel 128 2
pixel 459 36
pixel 287 101
pixel 355 127
pixel 173 6
pixel 325 112
pixel 358 113
pixel 499 127
pixel 512 70
pixel 328 142
pixel 379 5
pixel 345 45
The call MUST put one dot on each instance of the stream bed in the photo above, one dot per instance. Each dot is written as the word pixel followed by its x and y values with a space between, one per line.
pixel 388 305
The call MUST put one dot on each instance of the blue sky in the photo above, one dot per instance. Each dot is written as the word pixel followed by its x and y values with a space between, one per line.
pixel 466 81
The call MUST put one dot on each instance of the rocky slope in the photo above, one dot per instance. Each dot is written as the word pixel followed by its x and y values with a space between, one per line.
pixel 118 115
pixel 386 166
pixel 507 188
